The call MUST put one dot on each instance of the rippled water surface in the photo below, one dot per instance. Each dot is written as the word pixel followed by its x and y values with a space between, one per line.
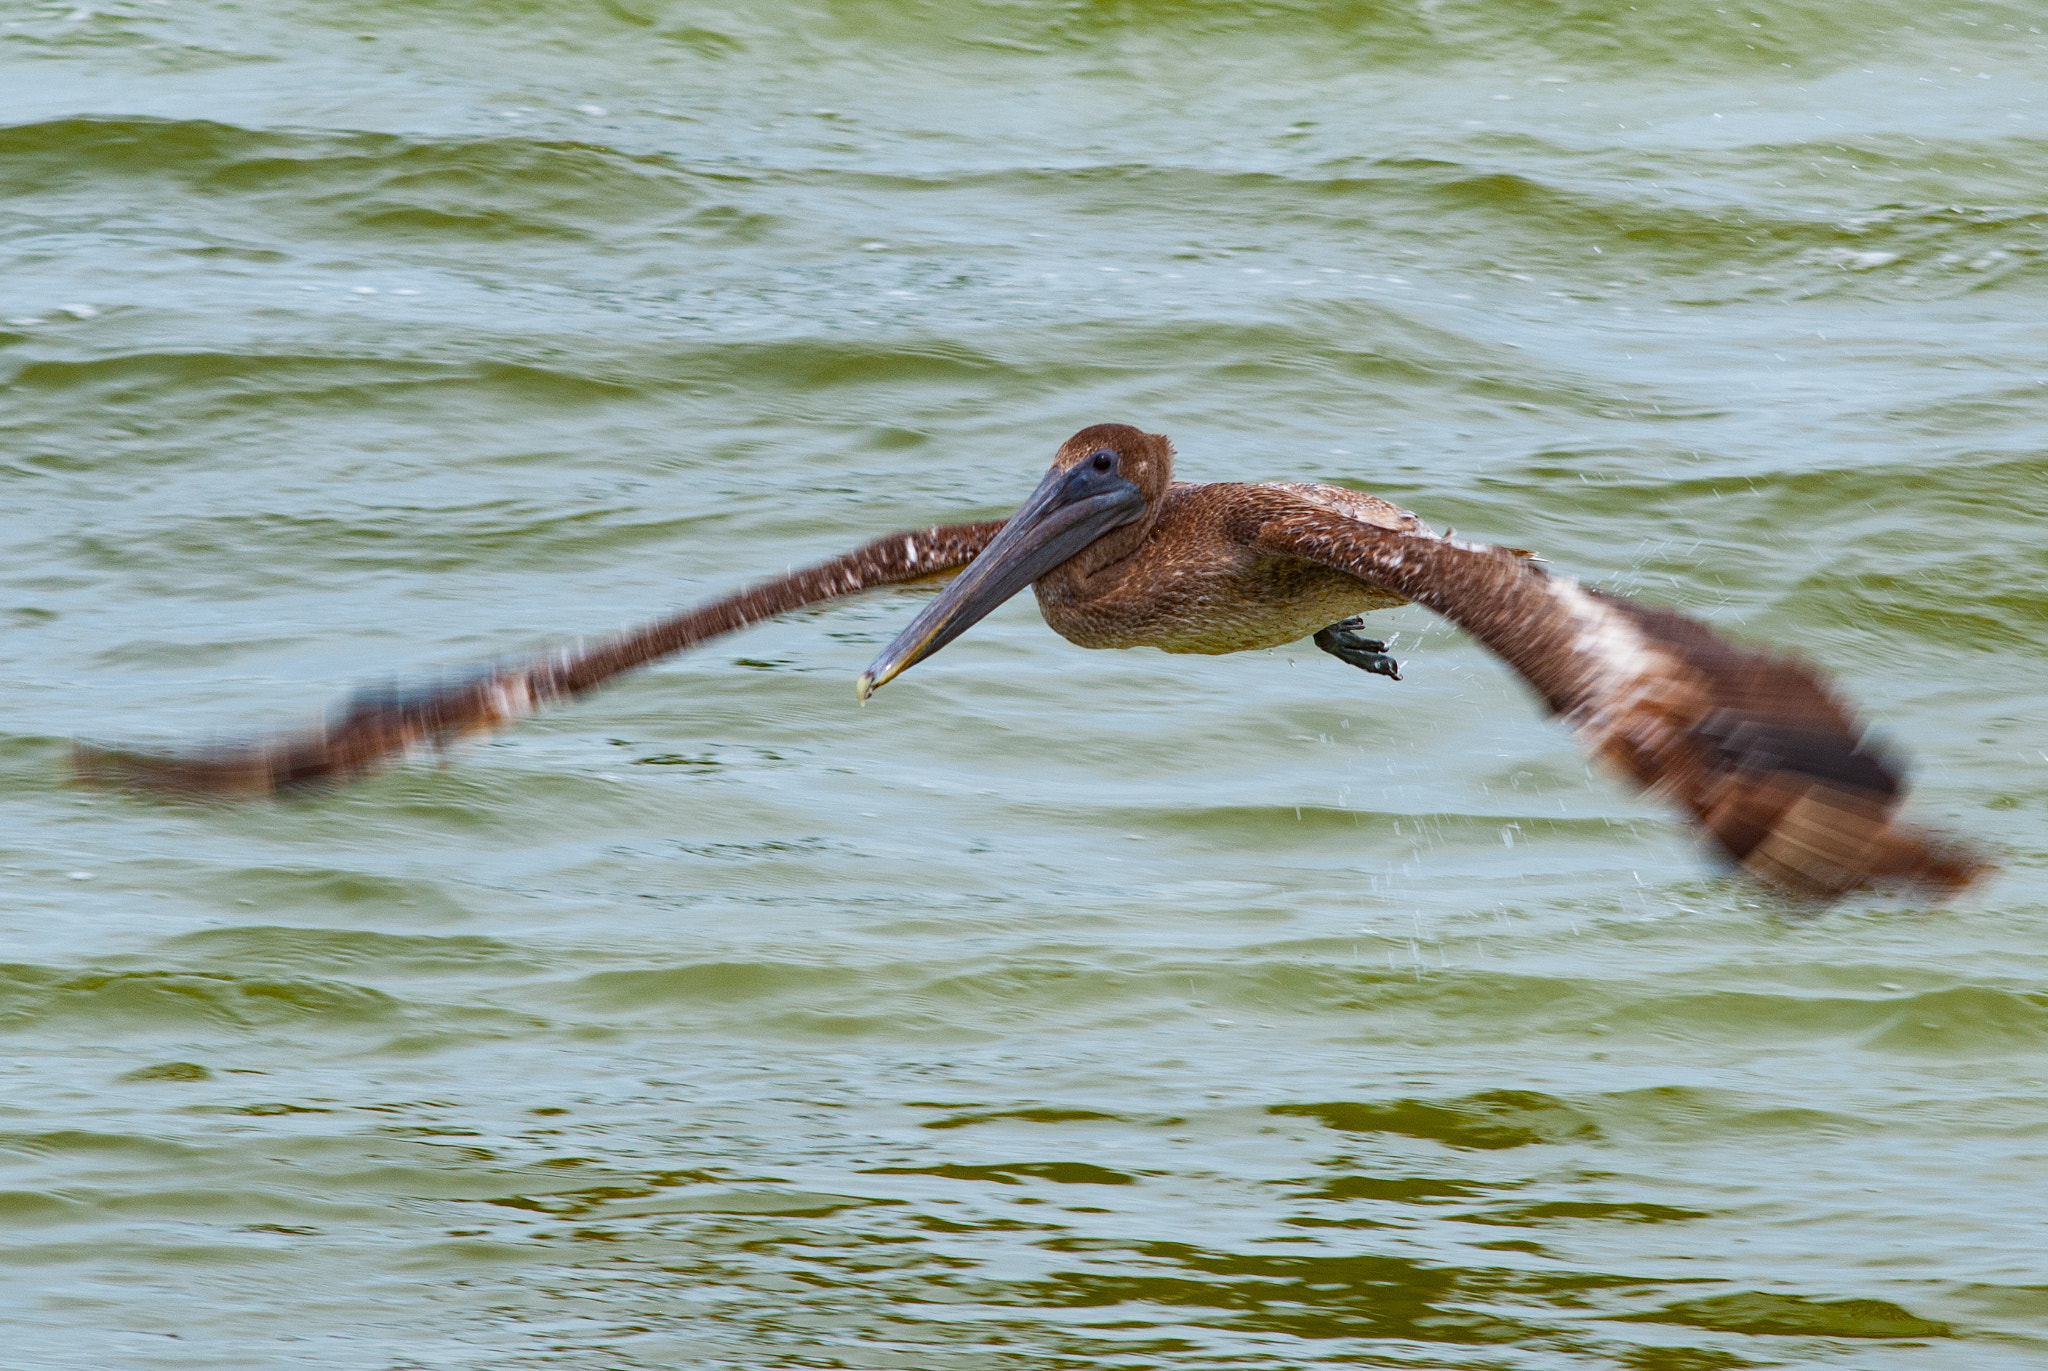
pixel 1059 1009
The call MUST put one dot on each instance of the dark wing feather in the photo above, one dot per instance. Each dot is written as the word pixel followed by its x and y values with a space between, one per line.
pixel 1753 746
pixel 376 727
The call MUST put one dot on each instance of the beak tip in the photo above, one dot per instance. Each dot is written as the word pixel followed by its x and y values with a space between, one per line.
pixel 864 687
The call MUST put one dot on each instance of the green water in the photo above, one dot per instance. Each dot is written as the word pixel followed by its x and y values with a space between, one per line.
pixel 1059 1009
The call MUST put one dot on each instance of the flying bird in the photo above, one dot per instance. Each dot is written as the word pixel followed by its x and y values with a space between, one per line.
pixel 1751 746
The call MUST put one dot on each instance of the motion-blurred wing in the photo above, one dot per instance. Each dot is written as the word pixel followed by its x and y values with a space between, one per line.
pixel 1753 746
pixel 376 727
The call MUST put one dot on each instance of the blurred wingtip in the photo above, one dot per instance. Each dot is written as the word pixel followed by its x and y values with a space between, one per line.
pixel 1827 845
pixel 219 773
pixel 1939 864
pixel 372 731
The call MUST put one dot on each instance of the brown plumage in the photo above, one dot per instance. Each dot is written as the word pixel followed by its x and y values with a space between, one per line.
pixel 1751 746
pixel 377 727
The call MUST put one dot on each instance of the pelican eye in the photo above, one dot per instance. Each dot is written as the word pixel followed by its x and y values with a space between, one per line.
pixel 1102 461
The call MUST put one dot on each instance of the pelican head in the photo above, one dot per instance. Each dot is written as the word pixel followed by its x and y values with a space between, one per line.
pixel 1091 509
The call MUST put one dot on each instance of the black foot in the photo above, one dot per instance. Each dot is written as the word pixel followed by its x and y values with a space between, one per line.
pixel 1346 641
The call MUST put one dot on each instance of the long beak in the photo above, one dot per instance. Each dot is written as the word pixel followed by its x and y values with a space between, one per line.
pixel 1069 510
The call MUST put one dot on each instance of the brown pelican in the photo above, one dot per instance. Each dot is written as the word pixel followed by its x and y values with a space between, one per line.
pixel 1751 746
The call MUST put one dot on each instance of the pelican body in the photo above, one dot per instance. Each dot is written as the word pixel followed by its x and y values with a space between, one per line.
pixel 1161 563
pixel 1752 747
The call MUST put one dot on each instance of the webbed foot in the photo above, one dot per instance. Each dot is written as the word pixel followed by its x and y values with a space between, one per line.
pixel 1346 641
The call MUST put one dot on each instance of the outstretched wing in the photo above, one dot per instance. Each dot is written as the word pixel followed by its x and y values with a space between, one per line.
pixel 376 727
pixel 1752 745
